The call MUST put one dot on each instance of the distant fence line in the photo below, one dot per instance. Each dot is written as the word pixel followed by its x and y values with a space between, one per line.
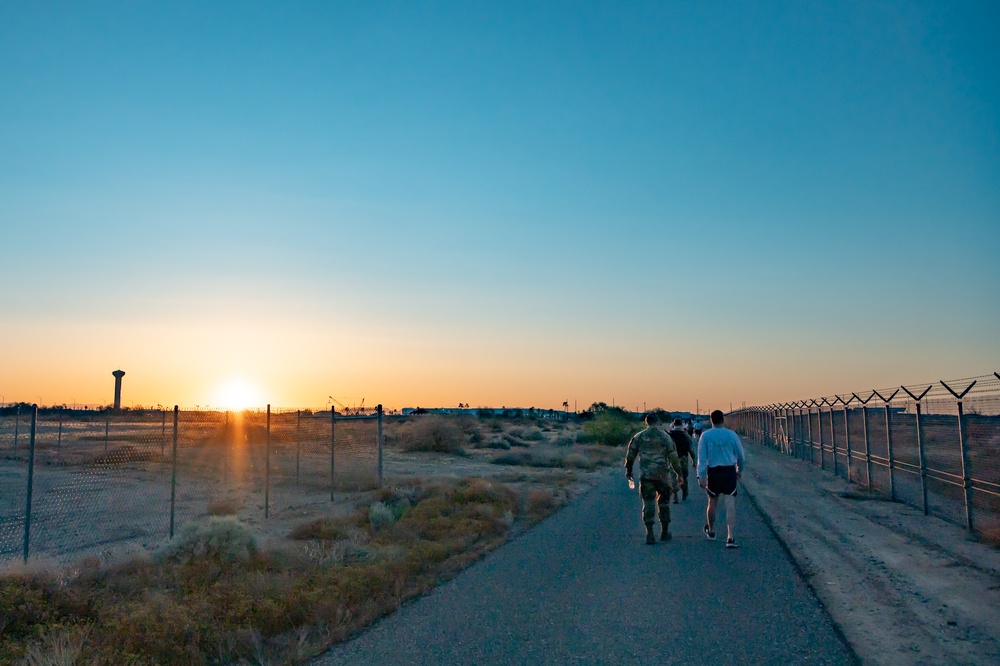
pixel 72 480
pixel 935 446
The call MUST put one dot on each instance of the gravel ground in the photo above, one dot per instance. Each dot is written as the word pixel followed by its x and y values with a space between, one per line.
pixel 903 587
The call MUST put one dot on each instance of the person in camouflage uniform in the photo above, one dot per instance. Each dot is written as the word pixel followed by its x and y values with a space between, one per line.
pixel 659 467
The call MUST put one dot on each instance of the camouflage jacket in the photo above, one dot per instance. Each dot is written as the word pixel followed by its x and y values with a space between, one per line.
pixel 657 455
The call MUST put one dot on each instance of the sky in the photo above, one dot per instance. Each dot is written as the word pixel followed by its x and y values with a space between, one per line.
pixel 671 204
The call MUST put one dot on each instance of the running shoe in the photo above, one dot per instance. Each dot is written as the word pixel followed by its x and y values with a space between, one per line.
pixel 731 543
pixel 709 533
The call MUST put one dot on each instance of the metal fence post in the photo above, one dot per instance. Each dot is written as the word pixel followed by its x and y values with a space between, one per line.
pixel 790 427
pixel 966 463
pixel 163 430
pixel 267 465
pixel 107 428
pixel 819 429
pixel 847 435
pixel 888 443
pixel 773 423
pixel 864 425
pixel 833 438
pixel 59 438
pixel 796 429
pixel 333 445
pixel 173 477
pixel 920 448
pixel 809 427
pixel 17 424
pixel 298 446
pixel 380 440
pixel 31 481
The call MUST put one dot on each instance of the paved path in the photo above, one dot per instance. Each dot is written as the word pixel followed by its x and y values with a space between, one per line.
pixel 583 588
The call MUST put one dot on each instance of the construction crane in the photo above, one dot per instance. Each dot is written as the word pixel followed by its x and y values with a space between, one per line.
pixel 345 408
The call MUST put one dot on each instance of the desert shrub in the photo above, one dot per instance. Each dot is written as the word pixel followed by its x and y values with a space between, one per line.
pixel 577 460
pixel 324 529
pixel 538 504
pixel 611 428
pixel 565 439
pixel 224 540
pixel 495 443
pixel 475 437
pixel 59 647
pixel 583 437
pixel 515 458
pixel 532 434
pixel 513 440
pixel 433 433
pixel 600 455
pixel 402 495
pixel 380 515
pixel 471 511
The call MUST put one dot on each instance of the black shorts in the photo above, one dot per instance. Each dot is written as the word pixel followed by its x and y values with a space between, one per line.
pixel 722 481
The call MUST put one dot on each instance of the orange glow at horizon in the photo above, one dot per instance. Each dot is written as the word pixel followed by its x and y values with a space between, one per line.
pixel 237 394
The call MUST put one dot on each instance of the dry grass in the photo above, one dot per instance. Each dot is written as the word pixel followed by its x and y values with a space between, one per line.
pixel 213 596
pixel 218 594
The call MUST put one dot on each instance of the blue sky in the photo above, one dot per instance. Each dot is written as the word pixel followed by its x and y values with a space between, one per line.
pixel 498 203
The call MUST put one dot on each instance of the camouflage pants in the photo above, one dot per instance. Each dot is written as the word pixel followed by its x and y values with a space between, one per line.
pixel 682 482
pixel 655 495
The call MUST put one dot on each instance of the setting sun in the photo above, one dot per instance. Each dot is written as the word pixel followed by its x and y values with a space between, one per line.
pixel 238 394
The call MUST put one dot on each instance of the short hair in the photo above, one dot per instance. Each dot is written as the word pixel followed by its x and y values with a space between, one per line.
pixel 650 418
pixel 717 417
pixel 676 422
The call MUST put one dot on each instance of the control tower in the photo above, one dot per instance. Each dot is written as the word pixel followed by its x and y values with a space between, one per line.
pixel 118 387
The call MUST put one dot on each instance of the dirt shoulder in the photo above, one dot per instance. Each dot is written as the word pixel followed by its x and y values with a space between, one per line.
pixel 903 587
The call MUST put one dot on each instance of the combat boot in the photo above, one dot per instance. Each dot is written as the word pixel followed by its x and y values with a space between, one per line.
pixel 664 531
pixel 650 539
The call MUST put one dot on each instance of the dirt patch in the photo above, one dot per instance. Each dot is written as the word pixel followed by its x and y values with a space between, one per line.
pixel 904 588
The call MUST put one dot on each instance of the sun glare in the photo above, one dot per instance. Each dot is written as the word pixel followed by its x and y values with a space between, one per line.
pixel 237 394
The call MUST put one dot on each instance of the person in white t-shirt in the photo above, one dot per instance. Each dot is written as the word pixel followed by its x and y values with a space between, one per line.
pixel 720 465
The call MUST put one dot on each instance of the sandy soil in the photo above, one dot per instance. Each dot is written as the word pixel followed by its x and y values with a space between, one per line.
pixel 903 587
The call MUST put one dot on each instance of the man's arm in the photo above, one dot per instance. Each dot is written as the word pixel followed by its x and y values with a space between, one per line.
pixel 630 455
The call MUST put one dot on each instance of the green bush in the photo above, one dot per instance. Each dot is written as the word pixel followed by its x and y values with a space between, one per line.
pixel 611 428
pixel 380 515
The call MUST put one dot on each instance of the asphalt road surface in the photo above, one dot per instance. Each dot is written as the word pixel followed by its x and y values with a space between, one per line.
pixel 583 588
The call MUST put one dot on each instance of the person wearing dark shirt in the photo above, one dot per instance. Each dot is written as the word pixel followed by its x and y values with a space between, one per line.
pixel 685 450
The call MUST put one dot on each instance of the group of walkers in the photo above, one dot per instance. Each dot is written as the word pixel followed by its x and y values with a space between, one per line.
pixel 663 463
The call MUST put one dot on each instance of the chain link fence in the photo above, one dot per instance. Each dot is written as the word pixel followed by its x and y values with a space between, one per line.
pixel 935 446
pixel 72 482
